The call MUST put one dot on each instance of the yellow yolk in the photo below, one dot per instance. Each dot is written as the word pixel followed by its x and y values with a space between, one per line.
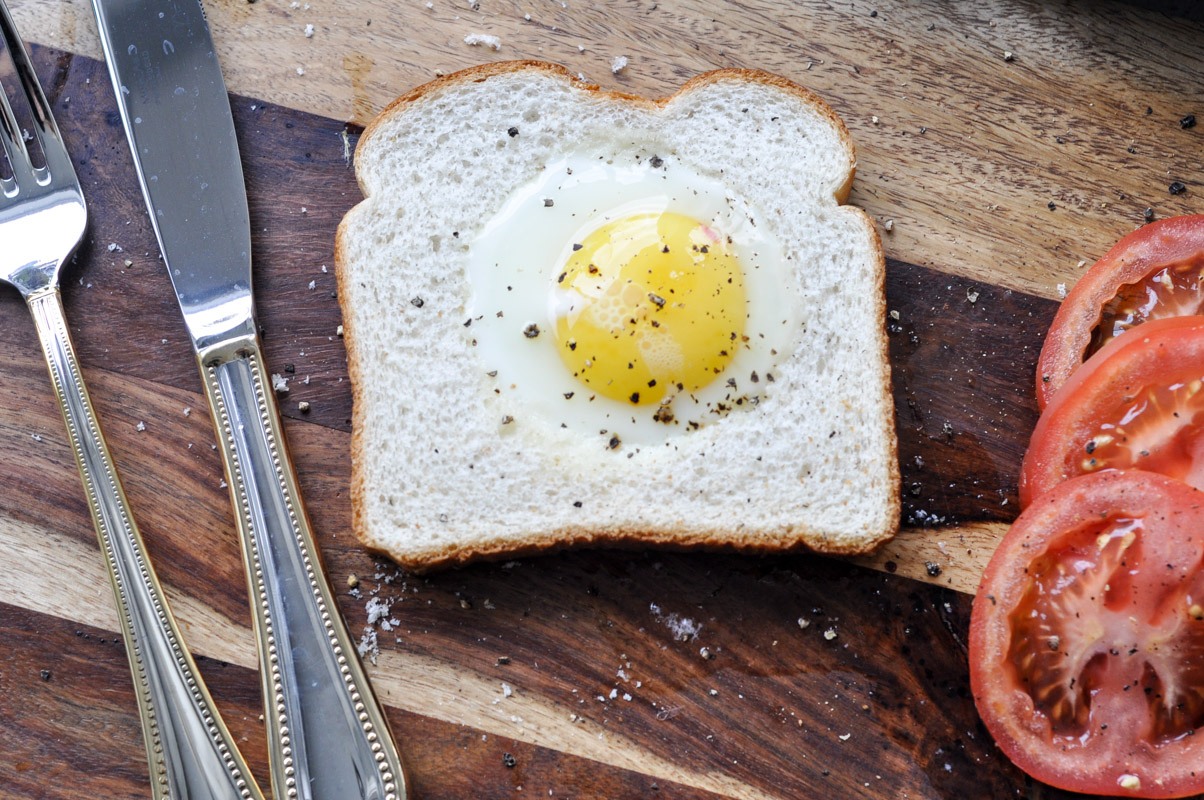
pixel 648 306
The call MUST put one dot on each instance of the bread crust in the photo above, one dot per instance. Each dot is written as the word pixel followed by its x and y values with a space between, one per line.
pixel 792 538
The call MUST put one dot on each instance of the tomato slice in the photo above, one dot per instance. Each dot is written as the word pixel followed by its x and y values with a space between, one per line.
pixel 1137 403
pixel 1153 273
pixel 1087 637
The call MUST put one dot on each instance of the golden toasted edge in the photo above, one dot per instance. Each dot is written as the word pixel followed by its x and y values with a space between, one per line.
pixel 802 538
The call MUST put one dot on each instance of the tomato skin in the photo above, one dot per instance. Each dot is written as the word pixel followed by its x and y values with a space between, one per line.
pixel 1141 253
pixel 1105 756
pixel 1152 354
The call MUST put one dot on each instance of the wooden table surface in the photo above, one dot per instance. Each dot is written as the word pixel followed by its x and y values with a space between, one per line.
pixel 568 675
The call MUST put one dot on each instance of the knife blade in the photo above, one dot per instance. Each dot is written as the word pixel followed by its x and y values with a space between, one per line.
pixel 328 738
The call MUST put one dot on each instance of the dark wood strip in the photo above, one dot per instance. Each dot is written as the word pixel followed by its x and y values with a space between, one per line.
pixel 69 730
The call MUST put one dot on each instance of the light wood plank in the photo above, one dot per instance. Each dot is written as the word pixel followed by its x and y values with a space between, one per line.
pixel 964 155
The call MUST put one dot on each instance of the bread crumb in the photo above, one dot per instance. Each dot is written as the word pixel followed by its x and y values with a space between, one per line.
pixel 845 737
pixel 309 31
pixel 618 64
pixel 972 296
pixel 830 634
pixel 141 426
pixel 339 331
pixel 313 285
pixel 1008 56
pixel 1062 290
pixel 889 225
pixel 300 71
pixel 804 623
pixel 874 120
pixel 279 383
pixel 489 40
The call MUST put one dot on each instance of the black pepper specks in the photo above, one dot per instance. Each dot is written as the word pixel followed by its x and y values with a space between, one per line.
pixel 1177 187
pixel 531 331
pixel 417 302
pixel 613 443
pixel 1052 206
pixel 1188 121
pixel 657 299
pixel 635 398
pixel 509 761
pixel 1148 215
pixel 576 247
pixel 548 202
pixel 933 568
pixel 657 162
pixel 512 131
pixel 45 674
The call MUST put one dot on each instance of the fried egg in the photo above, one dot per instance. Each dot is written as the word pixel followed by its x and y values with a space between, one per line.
pixel 632 298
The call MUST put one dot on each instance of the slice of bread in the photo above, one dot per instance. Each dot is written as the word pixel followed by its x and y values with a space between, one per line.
pixel 447 466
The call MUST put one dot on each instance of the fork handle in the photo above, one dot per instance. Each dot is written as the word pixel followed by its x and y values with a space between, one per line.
pixel 327 736
pixel 190 751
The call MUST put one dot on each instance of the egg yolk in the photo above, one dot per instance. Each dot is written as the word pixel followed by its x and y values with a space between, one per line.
pixel 648 306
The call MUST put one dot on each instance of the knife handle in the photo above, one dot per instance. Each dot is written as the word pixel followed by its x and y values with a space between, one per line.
pixel 327 735
pixel 191 753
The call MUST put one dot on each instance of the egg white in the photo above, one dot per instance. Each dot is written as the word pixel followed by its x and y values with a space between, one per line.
pixel 512 269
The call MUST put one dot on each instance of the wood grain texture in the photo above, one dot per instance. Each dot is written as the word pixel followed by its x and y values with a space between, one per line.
pixel 765 716
pixel 962 149
pixel 762 717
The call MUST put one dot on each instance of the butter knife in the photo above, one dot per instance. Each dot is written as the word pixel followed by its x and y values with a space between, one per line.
pixel 327 735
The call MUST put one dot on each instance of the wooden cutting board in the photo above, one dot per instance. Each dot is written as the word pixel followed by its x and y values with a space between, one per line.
pixel 582 674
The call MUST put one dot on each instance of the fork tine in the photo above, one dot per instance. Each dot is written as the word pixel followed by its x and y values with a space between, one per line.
pixel 12 140
pixel 53 149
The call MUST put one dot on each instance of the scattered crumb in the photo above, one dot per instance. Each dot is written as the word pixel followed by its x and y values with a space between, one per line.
pixel 141 426
pixel 972 296
pixel 506 690
pixel 368 645
pixel 489 40
pixel 279 383
pixel 1008 55
pixel 309 31
pixel 338 331
pixel 683 629
pixel 889 225
pixel 1062 290
pixel 303 406
pixel 874 120
pixel 300 71
pixel 618 64
pixel 804 623
pixel 353 581
pixel 313 285
pixel 830 634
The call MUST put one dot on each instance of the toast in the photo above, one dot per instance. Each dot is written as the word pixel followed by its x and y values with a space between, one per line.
pixel 449 465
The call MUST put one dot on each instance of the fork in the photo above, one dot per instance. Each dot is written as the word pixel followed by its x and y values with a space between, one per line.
pixel 42 220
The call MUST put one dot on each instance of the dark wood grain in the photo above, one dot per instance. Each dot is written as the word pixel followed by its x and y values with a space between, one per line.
pixel 754 700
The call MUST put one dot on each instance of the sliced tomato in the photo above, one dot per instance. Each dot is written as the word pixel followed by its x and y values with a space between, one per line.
pixel 1153 273
pixel 1087 637
pixel 1137 403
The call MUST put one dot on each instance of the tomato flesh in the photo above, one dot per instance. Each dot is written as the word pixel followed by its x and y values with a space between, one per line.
pixel 1152 273
pixel 1176 290
pixel 1137 403
pixel 1087 637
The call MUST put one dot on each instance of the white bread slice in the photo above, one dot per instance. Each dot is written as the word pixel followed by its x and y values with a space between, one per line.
pixel 436 480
